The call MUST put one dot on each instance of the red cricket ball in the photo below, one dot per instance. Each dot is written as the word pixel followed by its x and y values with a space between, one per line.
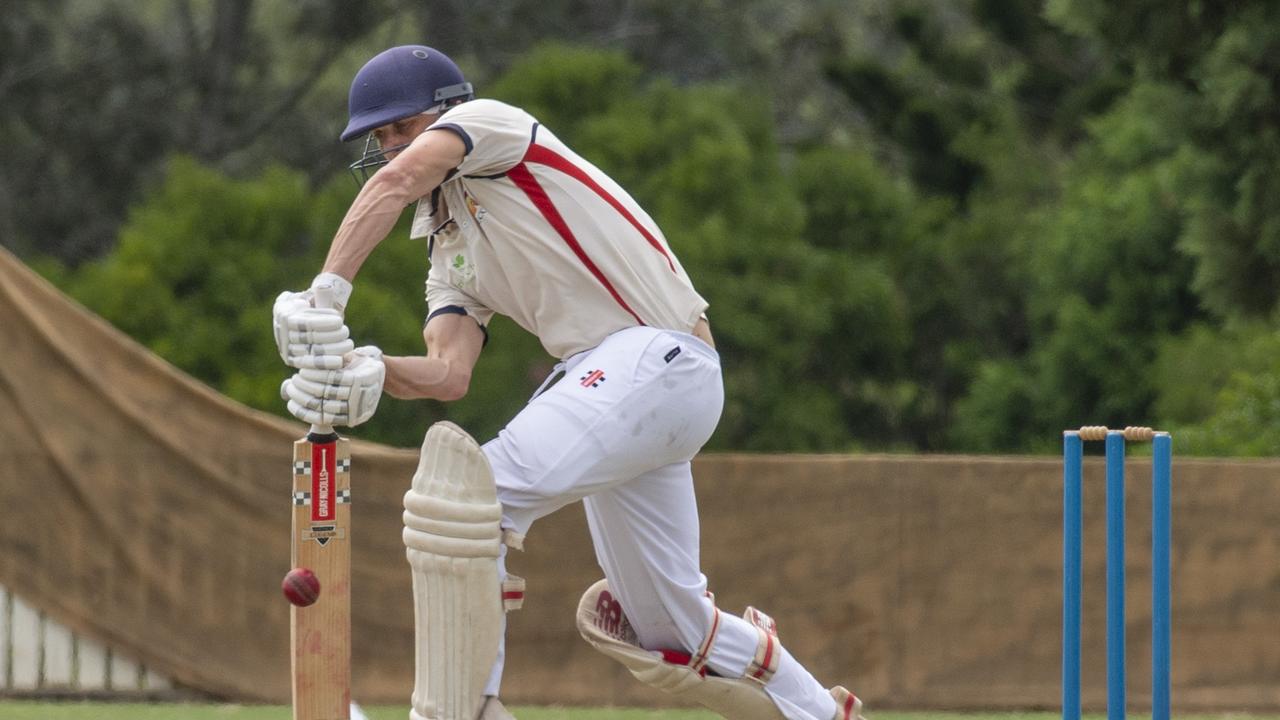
pixel 301 586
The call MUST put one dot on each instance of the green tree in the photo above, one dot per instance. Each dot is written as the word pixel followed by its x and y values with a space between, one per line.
pixel 97 95
pixel 1193 147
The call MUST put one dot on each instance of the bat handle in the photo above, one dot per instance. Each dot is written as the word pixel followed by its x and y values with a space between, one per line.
pixel 319 431
pixel 323 295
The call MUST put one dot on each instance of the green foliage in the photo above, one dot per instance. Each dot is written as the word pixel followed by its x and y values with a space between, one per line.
pixel 565 85
pixel 1108 278
pixel 1246 422
pixel 1232 189
pixel 98 95
pixel 918 227
pixel 1219 389
pixel 196 261
pixel 1163 213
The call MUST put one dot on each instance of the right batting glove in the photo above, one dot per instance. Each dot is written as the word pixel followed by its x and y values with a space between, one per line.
pixel 308 336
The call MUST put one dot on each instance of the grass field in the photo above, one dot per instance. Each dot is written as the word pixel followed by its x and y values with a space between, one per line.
pixel 46 710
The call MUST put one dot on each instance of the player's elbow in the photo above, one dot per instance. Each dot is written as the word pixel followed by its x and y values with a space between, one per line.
pixel 455 385
pixel 412 174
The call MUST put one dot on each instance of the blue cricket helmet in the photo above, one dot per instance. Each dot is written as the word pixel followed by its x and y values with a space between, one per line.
pixel 401 82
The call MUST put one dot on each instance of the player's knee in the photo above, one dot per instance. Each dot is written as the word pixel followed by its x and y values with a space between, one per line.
pixel 695 618
pixel 691 635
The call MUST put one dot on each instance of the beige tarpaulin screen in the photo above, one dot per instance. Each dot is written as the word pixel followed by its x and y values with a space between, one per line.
pixel 145 510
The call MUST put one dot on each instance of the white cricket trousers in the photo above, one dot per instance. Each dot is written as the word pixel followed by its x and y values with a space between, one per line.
pixel 618 432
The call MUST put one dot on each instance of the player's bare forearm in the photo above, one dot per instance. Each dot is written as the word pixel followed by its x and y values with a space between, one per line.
pixel 411 175
pixel 374 212
pixel 425 378
pixel 453 346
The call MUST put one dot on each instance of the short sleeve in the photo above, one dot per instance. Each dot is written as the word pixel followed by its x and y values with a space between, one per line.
pixel 496 135
pixel 444 297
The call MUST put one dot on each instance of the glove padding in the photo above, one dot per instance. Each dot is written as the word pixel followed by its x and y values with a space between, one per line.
pixel 309 337
pixel 346 396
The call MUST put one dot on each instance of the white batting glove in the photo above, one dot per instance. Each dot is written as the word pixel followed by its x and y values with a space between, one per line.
pixel 347 396
pixel 313 337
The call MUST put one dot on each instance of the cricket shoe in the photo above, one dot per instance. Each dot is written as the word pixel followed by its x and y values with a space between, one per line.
pixel 848 706
pixel 493 710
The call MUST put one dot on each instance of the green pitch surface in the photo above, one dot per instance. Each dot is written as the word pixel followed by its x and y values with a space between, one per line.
pixel 42 710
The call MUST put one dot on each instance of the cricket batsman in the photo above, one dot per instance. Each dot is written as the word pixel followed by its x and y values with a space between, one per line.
pixel 516 223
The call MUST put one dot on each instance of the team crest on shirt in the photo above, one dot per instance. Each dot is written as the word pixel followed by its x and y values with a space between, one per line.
pixel 461 271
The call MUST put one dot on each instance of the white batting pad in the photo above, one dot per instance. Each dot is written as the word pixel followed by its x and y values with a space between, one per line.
pixel 603 623
pixel 452 539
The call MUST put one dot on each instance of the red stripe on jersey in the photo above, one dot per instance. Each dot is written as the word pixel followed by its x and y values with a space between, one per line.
pixel 545 156
pixel 525 180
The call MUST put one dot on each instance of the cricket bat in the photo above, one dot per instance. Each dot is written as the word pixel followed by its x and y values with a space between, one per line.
pixel 320 634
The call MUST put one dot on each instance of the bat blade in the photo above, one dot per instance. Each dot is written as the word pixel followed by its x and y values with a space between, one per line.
pixel 320 634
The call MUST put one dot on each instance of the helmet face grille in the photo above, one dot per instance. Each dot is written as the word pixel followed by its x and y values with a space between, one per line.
pixel 371 160
pixel 400 82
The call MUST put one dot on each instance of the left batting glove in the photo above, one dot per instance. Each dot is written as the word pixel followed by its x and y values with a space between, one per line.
pixel 346 396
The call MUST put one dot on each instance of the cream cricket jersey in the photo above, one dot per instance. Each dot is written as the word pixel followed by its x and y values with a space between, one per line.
pixel 527 228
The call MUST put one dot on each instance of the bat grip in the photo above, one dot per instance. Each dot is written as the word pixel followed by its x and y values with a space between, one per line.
pixel 319 432
pixel 322 298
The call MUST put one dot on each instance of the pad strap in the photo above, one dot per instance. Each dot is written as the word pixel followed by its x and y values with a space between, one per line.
pixel 512 539
pixel 764 665
pixel 698 663
pixel 512 593
pixel 848 706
